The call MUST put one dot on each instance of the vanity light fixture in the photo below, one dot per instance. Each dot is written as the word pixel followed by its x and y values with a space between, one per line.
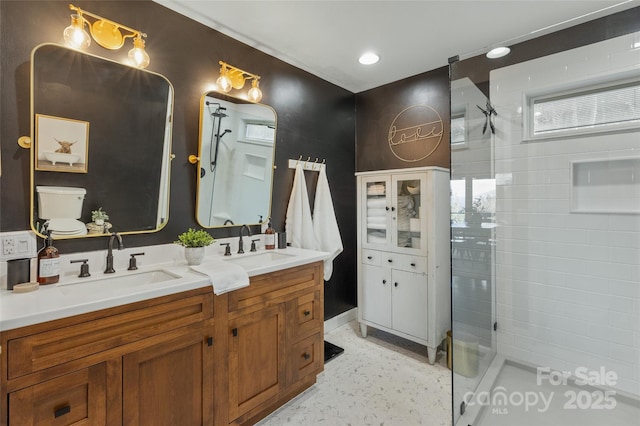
pixel 106 33
pixel 234 78
pixel 498 52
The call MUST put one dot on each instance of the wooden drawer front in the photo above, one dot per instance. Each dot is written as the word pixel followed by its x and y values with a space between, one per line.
pixel 76 398
pixel 307 357
pixel 274 287
pixel 405 262
pixel 308 314
pixel 371 257
pixel 49 348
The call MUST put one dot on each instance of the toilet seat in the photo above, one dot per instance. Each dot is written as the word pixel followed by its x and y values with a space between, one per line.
pixel 66 227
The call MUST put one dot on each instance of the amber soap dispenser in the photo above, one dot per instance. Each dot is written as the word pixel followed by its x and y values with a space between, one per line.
pixel 48 263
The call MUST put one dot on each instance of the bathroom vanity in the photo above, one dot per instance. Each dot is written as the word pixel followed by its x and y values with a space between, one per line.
pixel 184 357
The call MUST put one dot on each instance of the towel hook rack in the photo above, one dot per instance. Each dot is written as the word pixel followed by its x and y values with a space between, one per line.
pixel 308 164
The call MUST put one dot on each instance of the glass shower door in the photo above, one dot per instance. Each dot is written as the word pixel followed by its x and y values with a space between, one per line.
pixel 473 194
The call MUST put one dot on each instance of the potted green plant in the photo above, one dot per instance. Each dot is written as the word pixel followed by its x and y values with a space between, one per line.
pixel 194 241
pixel 99 216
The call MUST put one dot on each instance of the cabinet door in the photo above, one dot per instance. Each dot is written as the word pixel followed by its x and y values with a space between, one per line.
pixel 75 398
pixel 408 210
pixel 409 301
pixel 170 383
pixel 375 302
pixel 375 220
pixel 256 359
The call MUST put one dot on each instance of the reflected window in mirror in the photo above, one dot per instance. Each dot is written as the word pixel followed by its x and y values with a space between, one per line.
pixel 236 157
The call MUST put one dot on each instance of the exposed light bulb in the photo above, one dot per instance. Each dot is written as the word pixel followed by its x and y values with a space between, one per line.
pixel 138 56
pixel 254 94
pixel 74 35
pixel 224 82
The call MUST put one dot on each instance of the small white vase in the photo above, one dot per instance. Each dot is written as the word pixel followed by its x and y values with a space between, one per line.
pixel 99 222
pixel 194 255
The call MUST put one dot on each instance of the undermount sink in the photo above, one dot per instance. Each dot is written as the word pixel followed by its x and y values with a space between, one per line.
pixel 116 282
pixel 260 259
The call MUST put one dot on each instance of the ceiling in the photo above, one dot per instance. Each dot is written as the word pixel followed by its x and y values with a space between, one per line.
pixel 326 37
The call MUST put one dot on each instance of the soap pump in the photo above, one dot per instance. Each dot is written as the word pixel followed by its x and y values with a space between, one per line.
pixel 269 237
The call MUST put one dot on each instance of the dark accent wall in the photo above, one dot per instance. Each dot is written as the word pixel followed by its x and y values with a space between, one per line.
pixel 315 119
pixel 377 109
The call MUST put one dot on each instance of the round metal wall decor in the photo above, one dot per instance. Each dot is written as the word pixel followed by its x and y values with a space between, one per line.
pixel 415 133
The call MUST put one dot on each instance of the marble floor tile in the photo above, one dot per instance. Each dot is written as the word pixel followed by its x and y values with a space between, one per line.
pixel 382 380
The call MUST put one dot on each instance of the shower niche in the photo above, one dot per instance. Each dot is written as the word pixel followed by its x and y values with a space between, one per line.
pixel 606 186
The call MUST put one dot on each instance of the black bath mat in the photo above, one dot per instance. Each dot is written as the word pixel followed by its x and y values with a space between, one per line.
pixel 331 351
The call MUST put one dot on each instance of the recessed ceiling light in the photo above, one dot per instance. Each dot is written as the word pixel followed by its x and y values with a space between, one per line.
pixel 498 52
pixel 369 58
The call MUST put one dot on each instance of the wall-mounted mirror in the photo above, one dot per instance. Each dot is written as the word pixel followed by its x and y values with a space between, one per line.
pixel 101 139
pixel 235 167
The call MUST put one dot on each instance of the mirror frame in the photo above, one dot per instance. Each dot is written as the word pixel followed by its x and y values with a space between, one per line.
pixel 167 155
pixel 231 99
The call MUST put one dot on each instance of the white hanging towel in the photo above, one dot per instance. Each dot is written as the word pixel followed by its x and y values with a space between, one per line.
pixel 325 224
pixel 298 224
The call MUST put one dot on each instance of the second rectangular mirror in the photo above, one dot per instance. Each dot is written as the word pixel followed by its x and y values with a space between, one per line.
pixel 236 156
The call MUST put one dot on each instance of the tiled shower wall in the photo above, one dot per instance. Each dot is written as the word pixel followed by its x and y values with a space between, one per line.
pixel 568 284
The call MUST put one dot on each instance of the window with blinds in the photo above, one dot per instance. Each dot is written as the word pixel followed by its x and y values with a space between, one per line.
pixel 607 108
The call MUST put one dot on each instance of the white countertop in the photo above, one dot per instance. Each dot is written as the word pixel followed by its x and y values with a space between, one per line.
pixel 71 296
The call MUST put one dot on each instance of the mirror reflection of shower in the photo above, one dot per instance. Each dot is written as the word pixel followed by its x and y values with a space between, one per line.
pixel 236 156
pixel 215 132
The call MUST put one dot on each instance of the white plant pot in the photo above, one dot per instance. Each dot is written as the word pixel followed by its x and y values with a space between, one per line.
pixel 194 255
pixel 99 222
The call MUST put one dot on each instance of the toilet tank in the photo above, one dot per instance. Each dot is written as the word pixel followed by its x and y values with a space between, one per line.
pixel 56 202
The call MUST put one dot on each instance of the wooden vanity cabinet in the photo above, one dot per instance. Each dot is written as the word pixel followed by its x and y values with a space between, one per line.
pixel 274 330
pixel 148 362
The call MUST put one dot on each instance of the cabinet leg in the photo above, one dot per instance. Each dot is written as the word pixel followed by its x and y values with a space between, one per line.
pixel 363 329
pixel 431 354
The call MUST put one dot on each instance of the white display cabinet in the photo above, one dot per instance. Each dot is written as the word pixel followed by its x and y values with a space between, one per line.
pixel 404 254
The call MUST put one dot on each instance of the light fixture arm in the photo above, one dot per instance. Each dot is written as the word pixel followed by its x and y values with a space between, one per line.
pixel 81 13
pixel 243 72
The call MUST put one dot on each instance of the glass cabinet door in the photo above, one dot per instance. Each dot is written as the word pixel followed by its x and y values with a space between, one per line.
pixel 408 196
pixel 375 210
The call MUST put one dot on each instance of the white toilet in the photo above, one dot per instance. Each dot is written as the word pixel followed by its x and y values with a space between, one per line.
pixel 61 206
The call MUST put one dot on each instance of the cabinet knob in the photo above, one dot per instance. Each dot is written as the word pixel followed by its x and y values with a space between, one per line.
pixel 413 264
pixel 306 313
pixel 234 331
pixel 390 260
pixel 61 411
pixel 386 208
pixel 384 281
pixel 393 209
pixel 395 284
pixel 369 257
pixel 209 341
pixel 306 355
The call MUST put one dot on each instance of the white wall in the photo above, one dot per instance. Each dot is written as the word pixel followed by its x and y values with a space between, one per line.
pixel 568 284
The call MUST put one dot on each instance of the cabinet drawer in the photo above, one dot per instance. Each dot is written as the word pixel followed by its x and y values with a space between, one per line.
pixel 405 262
pixel 273 288
pixel 53 347
pixel 307 357
pixel 76 398
pixel 371 257
pixel 306 315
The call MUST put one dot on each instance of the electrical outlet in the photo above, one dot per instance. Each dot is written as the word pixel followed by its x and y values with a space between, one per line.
pixel 8 245
pixel 17 245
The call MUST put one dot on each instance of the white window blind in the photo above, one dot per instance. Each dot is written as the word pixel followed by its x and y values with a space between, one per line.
pixel 260 132
pixel 608 106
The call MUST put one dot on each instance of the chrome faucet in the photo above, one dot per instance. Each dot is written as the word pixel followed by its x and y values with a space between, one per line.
pixel 113 236
pixel 240 243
